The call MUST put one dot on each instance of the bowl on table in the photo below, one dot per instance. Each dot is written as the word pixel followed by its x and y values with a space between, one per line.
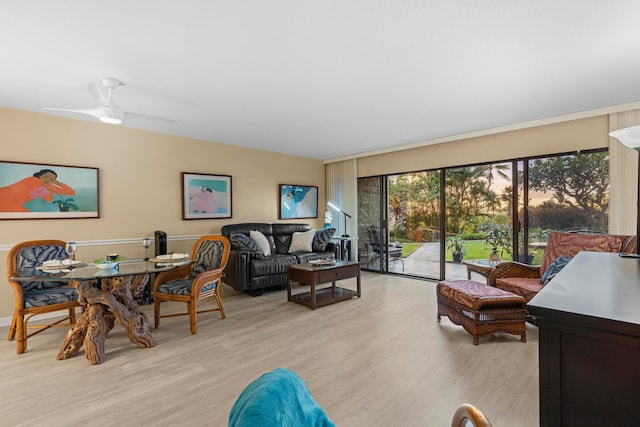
pixel 106 265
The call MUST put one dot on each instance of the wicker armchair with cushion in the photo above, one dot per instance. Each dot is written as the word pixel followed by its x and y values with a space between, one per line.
pixel 38 297
pixel 527 280
pixel 199 280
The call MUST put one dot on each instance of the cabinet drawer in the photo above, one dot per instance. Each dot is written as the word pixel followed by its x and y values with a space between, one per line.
pixel 338 274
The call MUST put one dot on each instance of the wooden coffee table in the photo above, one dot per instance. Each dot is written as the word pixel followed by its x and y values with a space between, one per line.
pixel 314 275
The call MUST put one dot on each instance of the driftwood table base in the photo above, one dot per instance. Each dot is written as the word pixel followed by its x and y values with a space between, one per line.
pixel 104 307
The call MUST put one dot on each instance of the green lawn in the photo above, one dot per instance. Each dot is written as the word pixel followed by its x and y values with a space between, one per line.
pixel 476 249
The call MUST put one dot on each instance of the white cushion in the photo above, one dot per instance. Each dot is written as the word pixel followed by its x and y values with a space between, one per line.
pixel 262 242
pixel 301 241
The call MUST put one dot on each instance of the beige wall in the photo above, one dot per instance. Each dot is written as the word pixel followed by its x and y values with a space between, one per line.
pixel 140 176
pixel 140 184
pixel 550 139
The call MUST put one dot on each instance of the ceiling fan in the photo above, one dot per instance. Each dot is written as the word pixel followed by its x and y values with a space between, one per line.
pixel 109 112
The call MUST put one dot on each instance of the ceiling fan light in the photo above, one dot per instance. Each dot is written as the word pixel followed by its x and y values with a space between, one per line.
pixel 110 120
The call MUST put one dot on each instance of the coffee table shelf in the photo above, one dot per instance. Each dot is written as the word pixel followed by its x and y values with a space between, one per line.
pixel 324 296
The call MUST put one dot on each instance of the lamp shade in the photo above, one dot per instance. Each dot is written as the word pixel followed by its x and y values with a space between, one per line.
pixel 628 136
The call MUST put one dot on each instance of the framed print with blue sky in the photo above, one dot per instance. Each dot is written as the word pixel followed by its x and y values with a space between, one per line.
pixel 206 196
pixel 298 201
pixel 46 191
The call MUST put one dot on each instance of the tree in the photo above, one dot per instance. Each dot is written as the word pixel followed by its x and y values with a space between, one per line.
pixel 579 181
pixel 466 193
pixel 500 169
pixel 398 210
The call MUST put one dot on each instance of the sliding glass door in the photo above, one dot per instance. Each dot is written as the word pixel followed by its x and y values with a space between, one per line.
pixel 430 223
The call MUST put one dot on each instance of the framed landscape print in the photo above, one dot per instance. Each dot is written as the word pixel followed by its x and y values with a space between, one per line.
pixel 298 201
pixel 206 196
pixel 46 191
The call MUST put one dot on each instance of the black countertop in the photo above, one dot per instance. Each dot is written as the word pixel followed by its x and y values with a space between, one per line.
pixel 597 289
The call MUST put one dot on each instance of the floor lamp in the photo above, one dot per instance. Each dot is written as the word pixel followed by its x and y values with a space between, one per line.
pixel 345 235
pixel 631 138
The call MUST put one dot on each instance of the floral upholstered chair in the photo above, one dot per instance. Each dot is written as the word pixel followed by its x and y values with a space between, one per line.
pixel 199 280
pixel 39 296
pixel 528 280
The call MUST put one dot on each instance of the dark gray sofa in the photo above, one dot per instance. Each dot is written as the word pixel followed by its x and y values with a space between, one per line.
pixel 251 272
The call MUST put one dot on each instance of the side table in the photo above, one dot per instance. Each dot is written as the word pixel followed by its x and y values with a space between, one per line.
pixel 481 266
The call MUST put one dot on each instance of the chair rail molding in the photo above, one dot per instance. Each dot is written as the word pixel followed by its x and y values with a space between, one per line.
pixel 107 242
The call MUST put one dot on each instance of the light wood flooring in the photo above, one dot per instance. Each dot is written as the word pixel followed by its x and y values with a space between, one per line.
pixel 381 360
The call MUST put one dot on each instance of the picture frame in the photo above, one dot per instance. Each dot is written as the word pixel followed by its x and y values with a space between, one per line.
pixel 206 196
pixel 298 201
pixel 48 191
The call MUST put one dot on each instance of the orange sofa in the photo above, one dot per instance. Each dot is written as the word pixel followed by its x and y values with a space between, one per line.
pixel 524 279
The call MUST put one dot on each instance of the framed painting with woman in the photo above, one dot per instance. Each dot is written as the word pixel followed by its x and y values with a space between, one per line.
pixel 45 191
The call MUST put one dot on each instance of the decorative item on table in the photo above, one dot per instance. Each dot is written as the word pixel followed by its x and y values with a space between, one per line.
pixel 109 262
pixel 70 248
pixel 56 265
pixel 172 258
pixel 146 244
pixel 327 261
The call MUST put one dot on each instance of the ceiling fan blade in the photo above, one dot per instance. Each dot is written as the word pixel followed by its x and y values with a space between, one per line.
pixel 134 117
pixel 109 112
pixel 95 112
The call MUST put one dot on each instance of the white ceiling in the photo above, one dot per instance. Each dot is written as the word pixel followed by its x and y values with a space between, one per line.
pixel 325 78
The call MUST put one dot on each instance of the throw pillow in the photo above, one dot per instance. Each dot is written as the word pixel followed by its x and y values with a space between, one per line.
pixel 322 239
pixel 554 268
pixel 262 242
pixel 242 242
pixel 301 241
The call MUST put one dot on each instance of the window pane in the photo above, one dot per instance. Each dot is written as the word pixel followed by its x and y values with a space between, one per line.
pixel 568 193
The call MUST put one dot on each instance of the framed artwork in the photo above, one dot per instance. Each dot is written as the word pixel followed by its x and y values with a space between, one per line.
pixel 298 201
pixel 47 191
pixel 206 196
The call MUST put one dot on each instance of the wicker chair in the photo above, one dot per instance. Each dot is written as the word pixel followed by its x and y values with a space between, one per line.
pixel 467 415
pixel 38 297
pixel 524 279
pixel 196 281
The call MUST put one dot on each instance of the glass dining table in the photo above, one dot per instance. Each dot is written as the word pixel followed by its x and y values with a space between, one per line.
pixel 107 298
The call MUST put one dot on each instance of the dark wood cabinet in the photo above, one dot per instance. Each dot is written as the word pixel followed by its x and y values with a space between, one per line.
pixel 589 322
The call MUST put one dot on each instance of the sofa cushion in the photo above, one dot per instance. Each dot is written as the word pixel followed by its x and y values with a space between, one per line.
pixel 527 287
pixel 242 242
pixel 50 296
pixel 261 241
pixel 274 264
pixel 322 239
pixel 301 241
pixel 282 233
pixel 554 268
